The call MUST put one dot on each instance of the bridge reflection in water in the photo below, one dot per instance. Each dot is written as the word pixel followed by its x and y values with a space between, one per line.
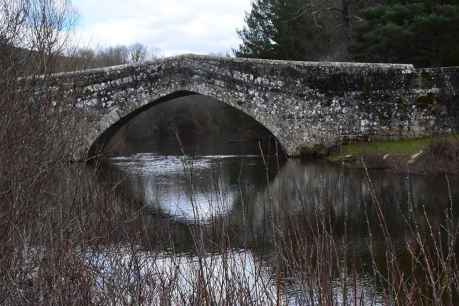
pixel 244 208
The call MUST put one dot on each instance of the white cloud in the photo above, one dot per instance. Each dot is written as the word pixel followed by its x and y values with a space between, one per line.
pixel 174 26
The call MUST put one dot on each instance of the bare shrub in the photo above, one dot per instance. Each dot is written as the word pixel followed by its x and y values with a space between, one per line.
pixel 67 239
pixel 442 156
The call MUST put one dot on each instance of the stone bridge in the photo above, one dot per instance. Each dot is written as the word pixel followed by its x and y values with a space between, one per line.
pixel 301 103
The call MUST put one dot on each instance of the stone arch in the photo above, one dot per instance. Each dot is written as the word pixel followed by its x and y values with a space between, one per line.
pixel 302 104
pixel 113 121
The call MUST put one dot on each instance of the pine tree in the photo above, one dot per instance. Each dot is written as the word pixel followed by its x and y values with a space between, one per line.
pixel 283 29
pixel 420 32
pixel 257 37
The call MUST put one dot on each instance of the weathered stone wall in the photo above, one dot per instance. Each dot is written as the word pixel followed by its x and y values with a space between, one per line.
pixel 301 103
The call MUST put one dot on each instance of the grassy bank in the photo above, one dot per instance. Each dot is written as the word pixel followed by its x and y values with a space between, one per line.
pixel 405 147
pixel 424 155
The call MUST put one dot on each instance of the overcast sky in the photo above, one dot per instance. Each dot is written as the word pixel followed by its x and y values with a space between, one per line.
pixel 173 26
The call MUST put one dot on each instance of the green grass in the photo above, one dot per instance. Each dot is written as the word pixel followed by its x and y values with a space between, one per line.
pixel 394 147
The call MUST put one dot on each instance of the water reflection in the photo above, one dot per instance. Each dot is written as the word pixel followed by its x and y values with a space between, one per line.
pixel 354 196
pixel 189 190
pixel 182 273
pixel 256 206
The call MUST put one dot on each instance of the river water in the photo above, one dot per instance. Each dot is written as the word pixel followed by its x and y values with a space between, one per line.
pixel 243 218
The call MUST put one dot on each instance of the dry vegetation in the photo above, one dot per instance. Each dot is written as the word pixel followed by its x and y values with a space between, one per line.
pixel 65 240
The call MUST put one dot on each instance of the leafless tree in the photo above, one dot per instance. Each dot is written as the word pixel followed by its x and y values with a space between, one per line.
pixel 12 24
pixel 49 25
pixel 112 56
pixel 12 20
pixel 137 53
pixel 84 58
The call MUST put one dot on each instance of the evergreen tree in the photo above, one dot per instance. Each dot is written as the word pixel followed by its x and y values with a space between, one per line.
pixel 283 29
pixel 258 34
pixel 424 33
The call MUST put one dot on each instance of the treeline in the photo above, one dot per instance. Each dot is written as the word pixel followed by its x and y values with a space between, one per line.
pixel 85 58
pixel 74 58
pixel 36 38
pixel 421 32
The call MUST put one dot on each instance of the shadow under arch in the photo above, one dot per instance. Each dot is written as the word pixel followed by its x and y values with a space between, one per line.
pixel 96 149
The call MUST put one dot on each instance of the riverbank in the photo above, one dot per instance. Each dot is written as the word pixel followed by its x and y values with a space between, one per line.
pixel 429 155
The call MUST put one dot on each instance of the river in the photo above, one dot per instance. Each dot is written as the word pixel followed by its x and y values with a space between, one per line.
pixel 276 229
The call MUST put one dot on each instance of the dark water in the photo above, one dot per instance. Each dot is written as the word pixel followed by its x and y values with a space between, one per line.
pixel 245 203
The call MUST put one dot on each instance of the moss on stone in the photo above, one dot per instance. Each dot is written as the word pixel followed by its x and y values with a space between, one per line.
pixel 426 79
pixel 427 102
